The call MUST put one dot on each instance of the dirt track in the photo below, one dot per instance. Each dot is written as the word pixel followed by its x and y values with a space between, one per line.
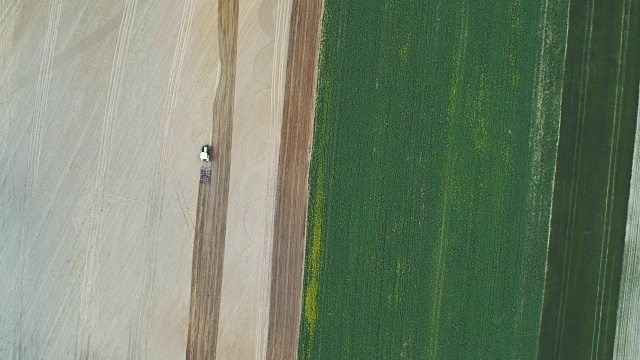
pixel 211 220
pixel 293 170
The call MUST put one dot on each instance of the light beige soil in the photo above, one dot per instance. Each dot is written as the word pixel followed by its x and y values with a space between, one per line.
pixel 262 46
pixel 103 108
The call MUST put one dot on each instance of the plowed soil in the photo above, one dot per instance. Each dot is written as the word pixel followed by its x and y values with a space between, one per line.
pixel 292 189
pixel 211 219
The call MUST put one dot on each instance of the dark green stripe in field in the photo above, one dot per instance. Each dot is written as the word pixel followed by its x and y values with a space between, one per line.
pixel 431 178
pixel 592 182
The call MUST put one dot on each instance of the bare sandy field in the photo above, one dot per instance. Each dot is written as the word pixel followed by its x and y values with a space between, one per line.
pixel 262 46
pixel 104 107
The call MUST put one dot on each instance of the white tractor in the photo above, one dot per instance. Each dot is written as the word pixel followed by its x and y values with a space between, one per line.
pixel 205 170
pixel 205 154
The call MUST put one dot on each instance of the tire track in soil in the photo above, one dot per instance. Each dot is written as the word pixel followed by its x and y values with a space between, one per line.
pixel 293 172
pixel 211 217
pixel 141 321
pixel 38 117
pixel 87 318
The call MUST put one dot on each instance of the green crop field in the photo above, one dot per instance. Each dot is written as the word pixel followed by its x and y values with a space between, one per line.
pixel 599 107
pixel 431 178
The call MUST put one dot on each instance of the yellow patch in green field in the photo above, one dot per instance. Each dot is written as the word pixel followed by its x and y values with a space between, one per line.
pixel 516 10
pixel 313 267
pixel 512 57
pixel 515 78
pixel 506 151
pixel 481 132
pixel 479 119
pixel 404 52
pixel 516 24
pixel 400 270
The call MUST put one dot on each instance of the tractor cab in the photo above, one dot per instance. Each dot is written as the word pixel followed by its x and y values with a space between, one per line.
pixel 205 154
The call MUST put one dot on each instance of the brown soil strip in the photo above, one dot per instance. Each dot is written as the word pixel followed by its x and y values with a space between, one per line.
pixel 293 172
pixel 211 218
